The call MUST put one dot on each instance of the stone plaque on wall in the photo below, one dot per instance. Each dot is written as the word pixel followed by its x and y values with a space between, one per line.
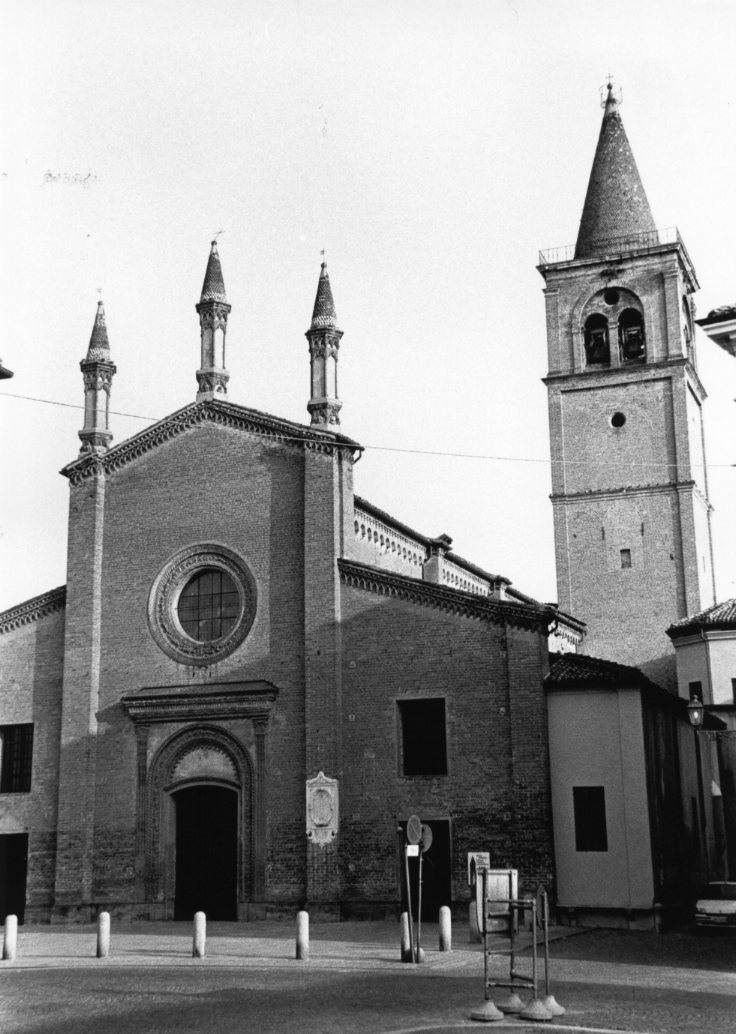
pixel 322 809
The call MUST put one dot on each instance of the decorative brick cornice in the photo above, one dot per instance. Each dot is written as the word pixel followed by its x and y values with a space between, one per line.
pixel 438 597
pixel 220 700
pixel 33 609
pixel 363 506
pixel 668 486
pixel 613 376
pixel 224 414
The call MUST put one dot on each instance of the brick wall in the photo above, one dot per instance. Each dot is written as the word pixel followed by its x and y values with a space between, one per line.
pixel 495 793
pixel 632 487
pixel 31 660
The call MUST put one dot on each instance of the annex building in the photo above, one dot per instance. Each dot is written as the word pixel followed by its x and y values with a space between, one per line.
pixel 253 676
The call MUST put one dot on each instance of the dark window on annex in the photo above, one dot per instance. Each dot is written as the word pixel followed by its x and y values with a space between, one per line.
pixel 589 806
pixel 209 606
pixel 16 758
pixel 423 737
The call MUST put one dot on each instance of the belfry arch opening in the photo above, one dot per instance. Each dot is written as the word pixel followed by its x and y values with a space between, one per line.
pixel 206 869
pixel 597 348
pixel 631 336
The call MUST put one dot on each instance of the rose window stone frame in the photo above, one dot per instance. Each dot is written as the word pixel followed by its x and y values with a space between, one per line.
pixel 163 600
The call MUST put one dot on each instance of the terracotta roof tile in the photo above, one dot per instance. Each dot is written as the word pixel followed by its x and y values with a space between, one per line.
pixel 719 616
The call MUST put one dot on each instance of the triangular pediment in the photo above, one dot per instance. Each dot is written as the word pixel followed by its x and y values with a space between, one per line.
pixel 223 414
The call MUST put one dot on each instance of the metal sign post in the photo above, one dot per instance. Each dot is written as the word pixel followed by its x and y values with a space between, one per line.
pixel 424 845
pixel 413 836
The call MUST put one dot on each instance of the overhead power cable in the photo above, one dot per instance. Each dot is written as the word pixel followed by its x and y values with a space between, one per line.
pixel 402 449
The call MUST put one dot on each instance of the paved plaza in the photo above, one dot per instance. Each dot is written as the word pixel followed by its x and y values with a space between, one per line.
pixel 353 981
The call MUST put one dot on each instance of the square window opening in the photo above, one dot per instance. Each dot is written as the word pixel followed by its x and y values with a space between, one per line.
pixel 16 758
pixel 695 689
pixel 423 737
pixel 589 808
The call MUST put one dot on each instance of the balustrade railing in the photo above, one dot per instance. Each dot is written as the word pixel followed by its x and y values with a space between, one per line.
pixel 611 246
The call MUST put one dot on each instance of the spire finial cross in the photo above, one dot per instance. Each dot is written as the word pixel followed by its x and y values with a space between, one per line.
pixel 610 91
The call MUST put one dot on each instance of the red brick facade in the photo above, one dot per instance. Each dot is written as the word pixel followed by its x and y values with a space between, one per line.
pixel 124 726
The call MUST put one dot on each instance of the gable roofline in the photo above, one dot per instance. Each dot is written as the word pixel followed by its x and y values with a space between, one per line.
pixel 33 609
pixel 226 414
pixel 440 597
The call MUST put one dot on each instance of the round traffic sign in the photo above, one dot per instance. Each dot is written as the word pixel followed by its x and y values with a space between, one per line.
pixel 426 837
pixel 414 829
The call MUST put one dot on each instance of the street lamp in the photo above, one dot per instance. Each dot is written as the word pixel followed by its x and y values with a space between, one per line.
pixel 696 714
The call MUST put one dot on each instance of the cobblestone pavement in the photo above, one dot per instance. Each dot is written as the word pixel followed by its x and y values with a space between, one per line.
pixel 353 982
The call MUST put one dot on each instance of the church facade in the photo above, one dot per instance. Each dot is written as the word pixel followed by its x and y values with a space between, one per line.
pixel 253 677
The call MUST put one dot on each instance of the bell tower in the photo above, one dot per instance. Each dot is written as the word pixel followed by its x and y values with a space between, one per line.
pixel 629 483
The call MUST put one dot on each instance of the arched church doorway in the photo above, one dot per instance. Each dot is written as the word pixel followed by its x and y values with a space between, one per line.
pixel 206 852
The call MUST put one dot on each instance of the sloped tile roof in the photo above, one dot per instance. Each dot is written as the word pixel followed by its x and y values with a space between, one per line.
pixel 720 616
pixel 577 669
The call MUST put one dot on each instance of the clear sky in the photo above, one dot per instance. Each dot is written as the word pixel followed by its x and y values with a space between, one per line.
pixel 431 148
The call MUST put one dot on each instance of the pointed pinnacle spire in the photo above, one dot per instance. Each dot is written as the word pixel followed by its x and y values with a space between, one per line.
pixel 615 204
pixel 324 315
pixel 99 345
pixel 213 288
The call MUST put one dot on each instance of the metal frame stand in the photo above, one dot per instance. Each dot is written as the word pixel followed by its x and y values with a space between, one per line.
pixel 536 1009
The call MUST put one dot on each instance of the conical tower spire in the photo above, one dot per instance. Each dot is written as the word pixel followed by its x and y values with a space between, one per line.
pixel 98 370
pixel 324 344
pixel 324 314
pixel 615 204
pixel 213 288
pixel 213 309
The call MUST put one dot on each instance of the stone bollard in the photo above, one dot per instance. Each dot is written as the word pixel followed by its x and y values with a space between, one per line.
pixel 445 929
pixel 302 935
pixel 103 935
pixel 200 935
pixel 11 938
pixel 405 939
